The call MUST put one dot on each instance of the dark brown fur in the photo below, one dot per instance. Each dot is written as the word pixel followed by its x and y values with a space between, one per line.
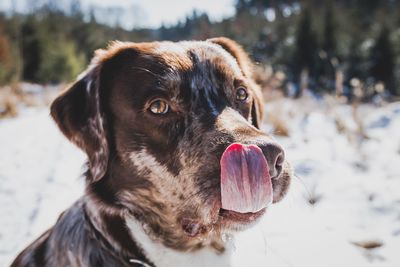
pixel 163 170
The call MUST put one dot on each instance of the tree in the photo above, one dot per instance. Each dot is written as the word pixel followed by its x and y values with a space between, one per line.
pixel 306 47
pixel 355 60
pixel 382 60
pixel 30 48
pixel 7 68
pixel 329 32
pixel 59 62
pixel 328 56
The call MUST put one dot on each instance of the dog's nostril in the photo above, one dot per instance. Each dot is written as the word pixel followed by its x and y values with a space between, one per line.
pixel 279 160
pixel 275 158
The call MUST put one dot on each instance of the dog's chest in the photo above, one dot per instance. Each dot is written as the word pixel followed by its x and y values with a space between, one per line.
pixel 162 256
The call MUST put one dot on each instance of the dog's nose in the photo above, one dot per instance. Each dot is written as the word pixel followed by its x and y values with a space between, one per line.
pixel 275 157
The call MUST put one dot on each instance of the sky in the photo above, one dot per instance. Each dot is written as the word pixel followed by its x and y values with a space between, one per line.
pixel 149 13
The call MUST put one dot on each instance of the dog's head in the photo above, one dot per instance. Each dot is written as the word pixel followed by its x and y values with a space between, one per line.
pixel 172 135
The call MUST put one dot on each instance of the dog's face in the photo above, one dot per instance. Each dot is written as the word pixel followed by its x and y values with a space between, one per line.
pixel 158 121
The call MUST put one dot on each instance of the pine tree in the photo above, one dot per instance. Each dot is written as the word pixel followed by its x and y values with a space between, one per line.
pixel 382 60
pixel 306 47
pixel 31 48
pixel 355 60
pixel 7 67
pixel 329 34
pixel 328 56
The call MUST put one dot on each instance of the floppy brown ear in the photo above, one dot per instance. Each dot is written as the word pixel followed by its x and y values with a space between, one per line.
pixel 78 113
pixel 246 65
pixel 257 107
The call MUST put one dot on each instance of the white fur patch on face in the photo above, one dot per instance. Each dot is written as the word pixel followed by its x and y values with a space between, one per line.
pixel 144 161
pixel 164 181
pixel 162 256
pixel 229 120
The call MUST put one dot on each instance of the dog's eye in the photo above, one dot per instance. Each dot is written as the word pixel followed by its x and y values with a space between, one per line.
pixel 159 106
pixel 241 94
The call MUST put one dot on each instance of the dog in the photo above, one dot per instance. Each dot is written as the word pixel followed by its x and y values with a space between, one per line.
pixel 176 157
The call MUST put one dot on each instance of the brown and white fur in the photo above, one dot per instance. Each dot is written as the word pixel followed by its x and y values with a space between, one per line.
pixel 153 182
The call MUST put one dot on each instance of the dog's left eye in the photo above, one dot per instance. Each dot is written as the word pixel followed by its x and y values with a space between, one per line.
pixel 241 94
pixel 159 106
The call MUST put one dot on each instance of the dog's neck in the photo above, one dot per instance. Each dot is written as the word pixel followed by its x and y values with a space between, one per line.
pixel 140 249
pixel 163 256
pixel 110 229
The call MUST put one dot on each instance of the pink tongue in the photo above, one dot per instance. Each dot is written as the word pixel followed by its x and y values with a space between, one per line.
pixel 245 182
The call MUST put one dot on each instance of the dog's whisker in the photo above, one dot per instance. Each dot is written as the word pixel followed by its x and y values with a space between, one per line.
pixel 282 258
pixel 301 180
pixel 264 236
pixel 308 191
pixel 139 262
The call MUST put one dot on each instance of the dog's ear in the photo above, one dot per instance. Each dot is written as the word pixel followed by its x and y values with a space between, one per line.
pixel 79 114
pixel 246 65
pixel 257 107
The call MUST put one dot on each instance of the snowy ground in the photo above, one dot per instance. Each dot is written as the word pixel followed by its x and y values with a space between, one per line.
pixel 351 177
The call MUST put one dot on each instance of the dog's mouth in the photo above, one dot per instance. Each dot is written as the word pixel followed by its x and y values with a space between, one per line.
pixel 245 190
pixel 237 217
pixel 246 186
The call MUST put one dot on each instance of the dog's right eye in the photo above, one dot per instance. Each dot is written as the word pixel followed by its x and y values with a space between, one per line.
pixel 159 106
pixel 241 94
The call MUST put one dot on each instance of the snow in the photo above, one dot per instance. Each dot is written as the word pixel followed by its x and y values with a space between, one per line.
pixel 39 173
pixel 347 163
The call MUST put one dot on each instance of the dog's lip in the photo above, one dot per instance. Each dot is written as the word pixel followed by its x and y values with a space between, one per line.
pixel 241 217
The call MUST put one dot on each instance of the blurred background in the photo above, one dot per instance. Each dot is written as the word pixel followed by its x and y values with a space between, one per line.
pixel 330 74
